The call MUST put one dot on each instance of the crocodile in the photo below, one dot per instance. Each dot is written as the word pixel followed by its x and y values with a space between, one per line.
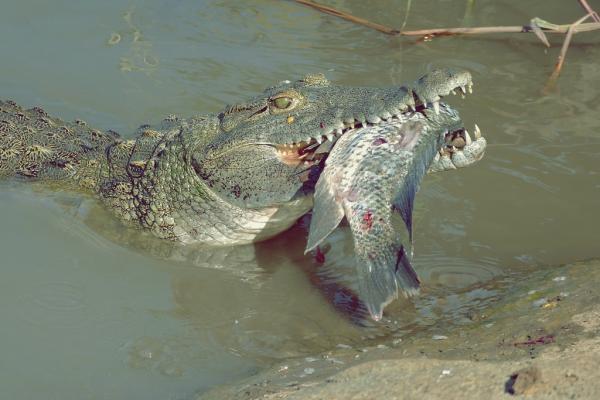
pixel 241 175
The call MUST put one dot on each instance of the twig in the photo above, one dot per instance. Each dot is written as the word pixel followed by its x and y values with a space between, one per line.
pixel 537 25
pixel 592 26
pixel 563 52
pixel 543 25
pixel 589 10
pixel 349 17
pixel 408 4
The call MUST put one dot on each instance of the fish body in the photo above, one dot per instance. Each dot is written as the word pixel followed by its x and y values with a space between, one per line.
pixel 370 174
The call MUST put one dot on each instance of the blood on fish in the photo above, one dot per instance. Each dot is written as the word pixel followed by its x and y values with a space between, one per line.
pixel 319 255
pixel 379 141
pixel 367 220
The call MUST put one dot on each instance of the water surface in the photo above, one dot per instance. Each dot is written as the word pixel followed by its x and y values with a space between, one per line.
pixel 93 311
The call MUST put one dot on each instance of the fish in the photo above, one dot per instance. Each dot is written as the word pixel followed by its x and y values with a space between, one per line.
pixel 370 174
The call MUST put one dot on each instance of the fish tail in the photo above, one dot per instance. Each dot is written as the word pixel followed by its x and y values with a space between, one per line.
pixel 383 276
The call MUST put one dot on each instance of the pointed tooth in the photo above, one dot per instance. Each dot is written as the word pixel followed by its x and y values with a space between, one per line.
pixel 339 131
pixel 453 92
pixel 463 88
pixel 468 139
pixel 470 87
pixel 374 119
pixel 436 106
pixel 319 139
pixel 329 136
pixel 412 107
pixel 477 132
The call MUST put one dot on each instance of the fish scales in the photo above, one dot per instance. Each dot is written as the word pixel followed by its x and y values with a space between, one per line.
pixel 371 173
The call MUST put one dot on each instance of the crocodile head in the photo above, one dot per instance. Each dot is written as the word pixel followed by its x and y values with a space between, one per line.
pixel 269 151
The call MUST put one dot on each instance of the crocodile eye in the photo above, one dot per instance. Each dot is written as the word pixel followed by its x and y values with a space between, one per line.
pixel 282 102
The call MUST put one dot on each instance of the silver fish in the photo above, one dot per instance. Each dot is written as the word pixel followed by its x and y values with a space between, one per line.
pixel 371 173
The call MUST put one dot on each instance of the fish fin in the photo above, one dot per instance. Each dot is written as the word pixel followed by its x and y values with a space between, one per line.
pixel 382 276
pixel 327 215
pixel 404 200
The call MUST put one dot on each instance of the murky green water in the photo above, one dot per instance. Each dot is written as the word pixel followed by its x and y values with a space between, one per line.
pixel 92 312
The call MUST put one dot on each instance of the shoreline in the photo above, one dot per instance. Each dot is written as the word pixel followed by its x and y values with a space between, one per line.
pixel 540 343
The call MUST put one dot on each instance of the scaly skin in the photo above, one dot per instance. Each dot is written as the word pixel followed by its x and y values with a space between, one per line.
pixel 373 173
pixel 242 175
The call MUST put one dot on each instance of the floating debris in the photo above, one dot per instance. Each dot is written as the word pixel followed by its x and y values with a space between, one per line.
pixel 115 38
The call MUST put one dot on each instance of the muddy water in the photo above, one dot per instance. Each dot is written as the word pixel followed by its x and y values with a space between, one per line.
pixel 92 311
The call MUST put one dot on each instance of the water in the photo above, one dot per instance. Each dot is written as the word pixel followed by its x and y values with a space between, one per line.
pixel 90 311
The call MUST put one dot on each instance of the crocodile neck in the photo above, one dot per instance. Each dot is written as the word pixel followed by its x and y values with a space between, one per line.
pixel 151 181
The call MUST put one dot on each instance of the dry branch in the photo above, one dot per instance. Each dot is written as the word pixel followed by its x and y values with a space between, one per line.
pixel 349 17
pixel 537 26
pixel 589 10
pixel 563 52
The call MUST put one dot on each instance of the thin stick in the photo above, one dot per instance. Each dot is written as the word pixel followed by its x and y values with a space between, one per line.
pixel 563 51
pixel 592 26
pixel 408 4
pixel 590 10
pixel 344 15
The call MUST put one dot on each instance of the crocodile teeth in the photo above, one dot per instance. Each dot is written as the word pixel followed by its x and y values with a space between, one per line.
pixel 477 132
pixel 468 139
pixel 319 139
pixel 436 107
pixel 330 136
pixel 470 86
pixel 464 89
